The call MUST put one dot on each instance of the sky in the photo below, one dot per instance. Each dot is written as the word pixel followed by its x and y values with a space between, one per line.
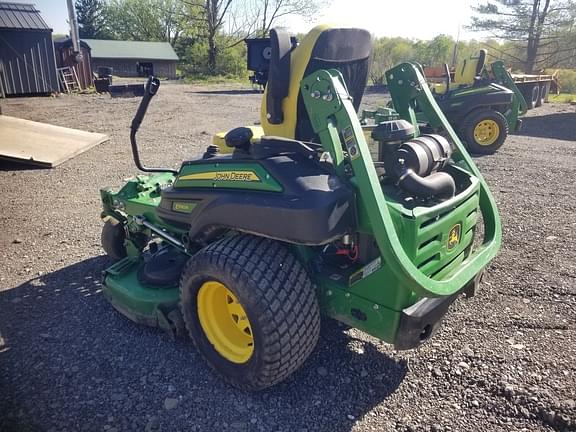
pixel 418 19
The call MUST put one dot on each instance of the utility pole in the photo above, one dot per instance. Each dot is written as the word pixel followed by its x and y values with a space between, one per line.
pixel 455 53
pixel 74 35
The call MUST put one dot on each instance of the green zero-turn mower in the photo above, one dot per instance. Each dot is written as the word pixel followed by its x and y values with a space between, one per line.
pixel 481 102
pixel 246 251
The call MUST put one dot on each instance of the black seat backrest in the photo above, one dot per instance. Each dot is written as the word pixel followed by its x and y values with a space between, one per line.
pixel 278 74
pixel 348 50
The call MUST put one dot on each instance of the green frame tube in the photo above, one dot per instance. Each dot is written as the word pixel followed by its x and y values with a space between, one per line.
pixel 333 116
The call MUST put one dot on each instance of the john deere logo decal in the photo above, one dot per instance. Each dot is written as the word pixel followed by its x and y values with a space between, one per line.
pixel 454 237
pixel 243 176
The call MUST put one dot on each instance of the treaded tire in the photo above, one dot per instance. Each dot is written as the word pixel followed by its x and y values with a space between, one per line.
pixel 475 117
pixel 534 96
pixel 543 94
pixel 280 302
pixel 113 236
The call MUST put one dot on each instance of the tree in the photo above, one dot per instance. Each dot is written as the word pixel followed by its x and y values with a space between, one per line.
pixel 534 25
pixel 266 13
pixel 226 23
pixel 148 20
pixel 389 52
pixel 171 17
pixel 92 20
pixel 211 15
pixel 437 51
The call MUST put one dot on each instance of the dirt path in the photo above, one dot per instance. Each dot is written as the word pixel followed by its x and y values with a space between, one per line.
pixel 503 361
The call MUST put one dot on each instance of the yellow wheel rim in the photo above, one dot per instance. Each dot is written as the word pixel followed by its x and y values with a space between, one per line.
pixel 225 322
pixel 486 132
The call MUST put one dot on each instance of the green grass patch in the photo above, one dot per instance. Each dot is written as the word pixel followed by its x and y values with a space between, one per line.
pixel 562 98
pixel 566 79
pixel 217 79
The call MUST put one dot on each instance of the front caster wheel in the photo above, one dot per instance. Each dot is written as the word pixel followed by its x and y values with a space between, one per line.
pixel 251 310
pixel 113 239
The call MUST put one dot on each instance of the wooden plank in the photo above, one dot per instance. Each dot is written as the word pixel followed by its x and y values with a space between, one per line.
pixel 43 144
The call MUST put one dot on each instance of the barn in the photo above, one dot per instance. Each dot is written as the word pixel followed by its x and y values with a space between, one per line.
pixel 134 58
pixel 65 57
pixel 27 63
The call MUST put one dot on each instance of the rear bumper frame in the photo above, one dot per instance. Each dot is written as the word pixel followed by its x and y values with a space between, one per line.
pixel 419 322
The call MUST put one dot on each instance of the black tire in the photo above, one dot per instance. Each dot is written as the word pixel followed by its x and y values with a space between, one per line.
pixel 279 300
pixel 543 94
pixel 472 120
pixel 535 97
pixel 113 238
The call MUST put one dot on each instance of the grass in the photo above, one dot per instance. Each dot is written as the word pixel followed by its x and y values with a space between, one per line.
pixel 562 98
pixel 218 79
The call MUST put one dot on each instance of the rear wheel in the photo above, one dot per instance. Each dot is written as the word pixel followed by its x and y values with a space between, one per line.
pixel 543 94
pixel 535 96
pixel 251 310
pixel 485 131
pixel 113 239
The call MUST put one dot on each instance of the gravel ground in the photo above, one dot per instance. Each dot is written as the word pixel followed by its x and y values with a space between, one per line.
pixel 503 361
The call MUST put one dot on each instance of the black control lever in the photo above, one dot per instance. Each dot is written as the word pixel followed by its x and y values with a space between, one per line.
pixel 150 90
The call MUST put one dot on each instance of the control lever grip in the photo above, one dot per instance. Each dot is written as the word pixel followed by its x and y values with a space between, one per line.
pixel 150 90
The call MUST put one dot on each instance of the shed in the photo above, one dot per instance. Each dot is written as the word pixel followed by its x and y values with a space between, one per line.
pixel 134 58
pixel 27 63
pixel 64 51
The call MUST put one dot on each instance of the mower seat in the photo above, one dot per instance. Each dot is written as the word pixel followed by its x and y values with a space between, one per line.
pixel 283 113
pixel 348 50
pixel 467 71
pixel 464 75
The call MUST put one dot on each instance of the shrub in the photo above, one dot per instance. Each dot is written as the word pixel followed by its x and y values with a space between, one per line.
pixel 566 79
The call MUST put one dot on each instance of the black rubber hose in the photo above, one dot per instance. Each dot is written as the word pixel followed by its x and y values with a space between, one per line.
pixel 440 184
pixel 150 91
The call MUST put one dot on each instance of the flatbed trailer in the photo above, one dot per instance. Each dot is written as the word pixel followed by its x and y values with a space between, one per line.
pixel 535 88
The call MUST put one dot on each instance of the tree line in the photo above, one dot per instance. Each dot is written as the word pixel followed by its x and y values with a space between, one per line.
pixel 537 34
pixel 529 35
pixel 206 34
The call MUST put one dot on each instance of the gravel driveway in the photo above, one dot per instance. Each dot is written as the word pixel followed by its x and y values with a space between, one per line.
pixel 503 361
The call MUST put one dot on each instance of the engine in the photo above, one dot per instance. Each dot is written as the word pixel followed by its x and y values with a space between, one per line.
pixel 415 164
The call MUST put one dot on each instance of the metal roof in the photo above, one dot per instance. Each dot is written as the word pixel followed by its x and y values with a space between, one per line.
pixel 131 50
pixel 66 42
pixel 21 16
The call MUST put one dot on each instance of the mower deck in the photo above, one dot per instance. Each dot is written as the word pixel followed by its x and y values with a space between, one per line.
pixel 142 304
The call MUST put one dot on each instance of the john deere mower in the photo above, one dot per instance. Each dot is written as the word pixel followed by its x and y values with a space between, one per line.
pixel 247 251
pixel 482 102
